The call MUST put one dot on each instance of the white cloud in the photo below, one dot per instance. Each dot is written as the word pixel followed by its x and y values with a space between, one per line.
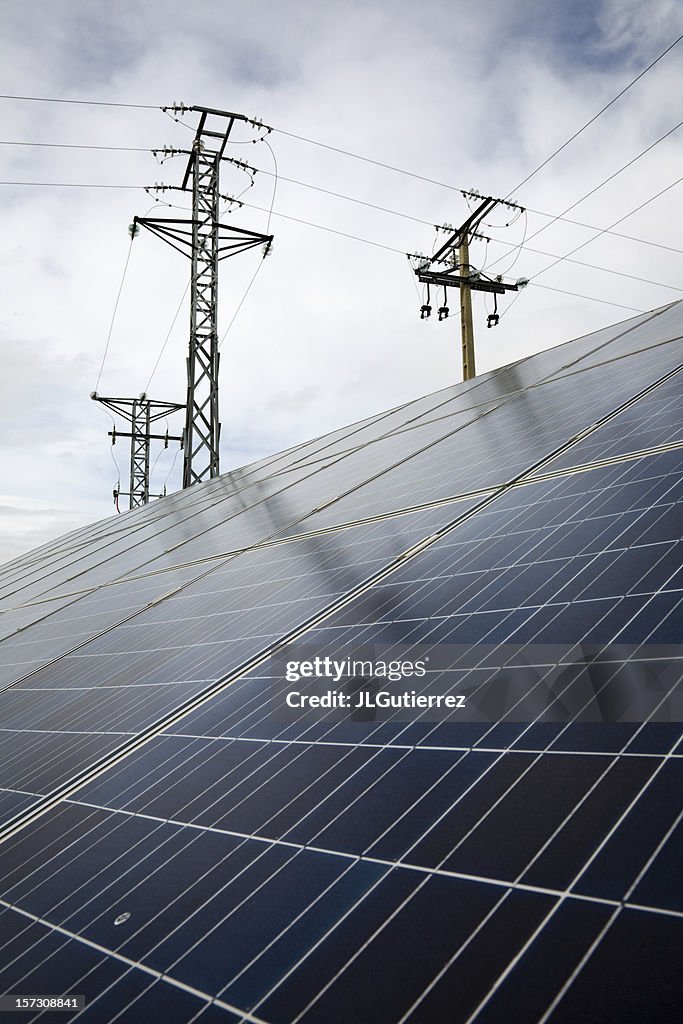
pixel 469 96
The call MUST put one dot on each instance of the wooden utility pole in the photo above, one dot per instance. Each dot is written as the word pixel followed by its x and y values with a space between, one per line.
pixel 462 276
pixel 466 327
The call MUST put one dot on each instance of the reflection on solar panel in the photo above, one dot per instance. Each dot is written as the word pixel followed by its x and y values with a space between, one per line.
pixel 174 850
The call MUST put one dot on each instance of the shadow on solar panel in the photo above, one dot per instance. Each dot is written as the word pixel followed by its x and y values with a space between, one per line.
pixel 384 729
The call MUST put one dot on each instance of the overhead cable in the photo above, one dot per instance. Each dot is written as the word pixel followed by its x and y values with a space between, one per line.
pixel 113 316
pixel 595 117
pixel 613 224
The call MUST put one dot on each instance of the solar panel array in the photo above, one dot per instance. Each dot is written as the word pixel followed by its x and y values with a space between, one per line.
pixel 171 850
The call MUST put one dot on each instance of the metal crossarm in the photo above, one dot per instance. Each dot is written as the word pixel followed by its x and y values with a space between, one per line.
pixel 140 413
pixel 206 242
pixel 455 252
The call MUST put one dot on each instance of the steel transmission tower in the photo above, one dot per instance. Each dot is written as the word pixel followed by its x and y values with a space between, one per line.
pixel 459 273
pixel 140 413
pixel 206 241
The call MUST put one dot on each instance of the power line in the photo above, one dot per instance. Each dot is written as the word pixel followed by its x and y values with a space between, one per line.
pixel 366 159
pixel 430 223
pixel 83 103
pixel 113 316
pixel 280 131
pixel 323 227
pixel 454 188
pixel 275 183
pixel 308 185
pixel 442 184
pixel 261 261
pixel 72 145
pixel 388 248
pixel 352 199
pixel 512 245
pixel 166 478
pixel 602 232
pixel 595 117
pixel 615 234
pixel 589 266
pixel 352 155
pixel 166 339
pixel 322 145
pixel 605 181
pixel 591 227
pixel 611 177
pixel 367 241
pixel 159 454
pixel 294 181
pixel 70 184
pixel 591 298
pixel 134 149
pixel 111 448
pixel 518 247
pixel 241 302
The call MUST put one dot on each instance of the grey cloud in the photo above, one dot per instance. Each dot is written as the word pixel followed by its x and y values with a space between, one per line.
pixel 471 96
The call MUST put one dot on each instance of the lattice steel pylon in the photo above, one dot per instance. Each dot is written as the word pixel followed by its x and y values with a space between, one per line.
pixel 206 241
pixel 140 413
pixel 202 426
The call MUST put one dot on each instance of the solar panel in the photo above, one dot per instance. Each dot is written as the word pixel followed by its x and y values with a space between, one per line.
pixel 175 849
pixel 170 636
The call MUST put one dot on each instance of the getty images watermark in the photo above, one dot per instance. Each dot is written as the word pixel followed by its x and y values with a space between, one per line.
pixel 360 679
pixel 480 683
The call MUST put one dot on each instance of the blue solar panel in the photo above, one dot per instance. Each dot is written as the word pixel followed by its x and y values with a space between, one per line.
pixel 203 859
pixel 151 645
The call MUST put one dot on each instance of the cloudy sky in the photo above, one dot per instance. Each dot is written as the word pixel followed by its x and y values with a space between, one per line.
pixel 468 95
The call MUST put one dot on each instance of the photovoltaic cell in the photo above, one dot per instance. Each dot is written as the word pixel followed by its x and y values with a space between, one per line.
pixel 99 695
pixel 235 867
pixel 655 420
